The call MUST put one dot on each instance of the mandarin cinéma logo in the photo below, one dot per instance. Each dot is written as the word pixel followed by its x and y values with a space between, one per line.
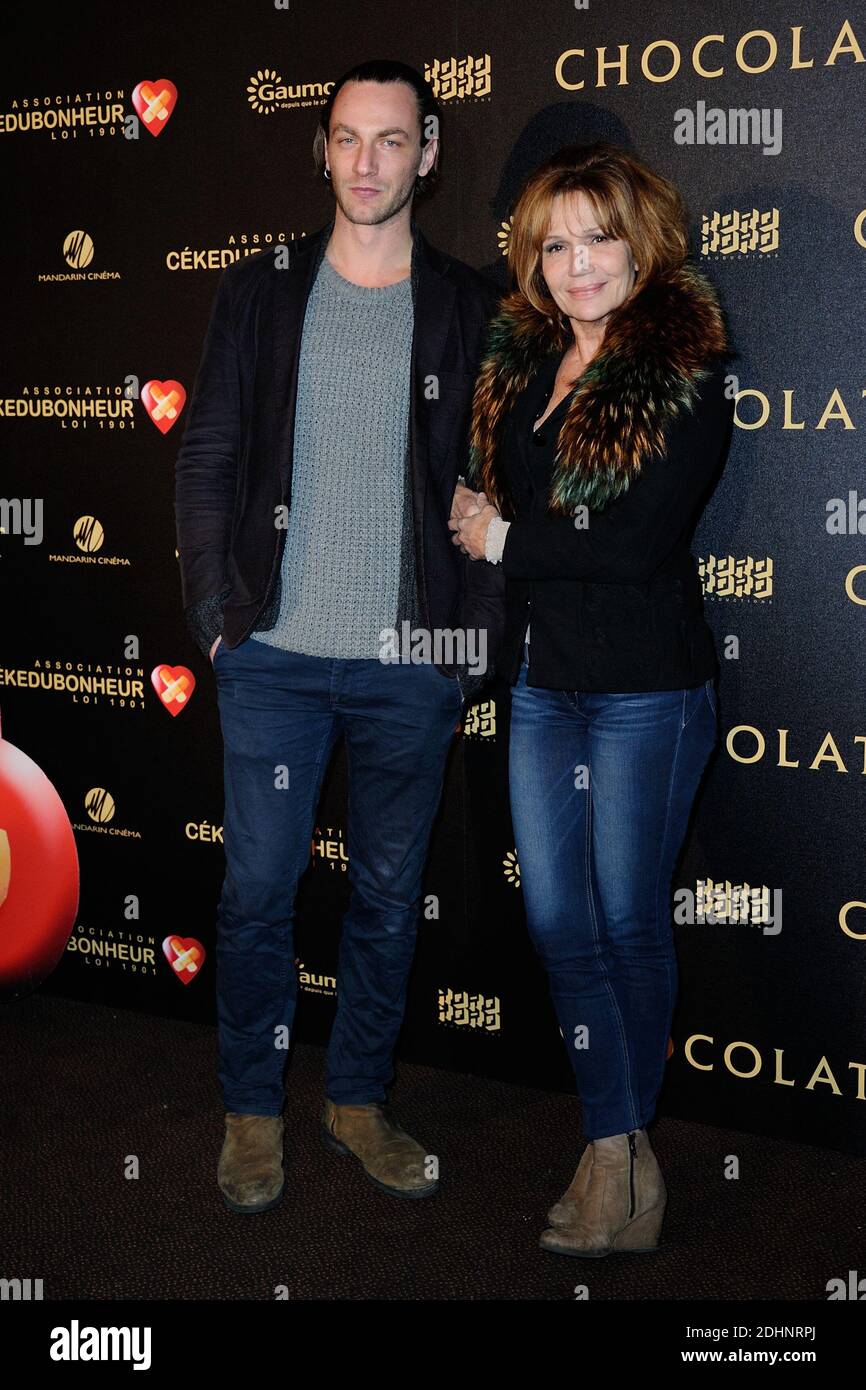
pixel 88 534
pixel 78 249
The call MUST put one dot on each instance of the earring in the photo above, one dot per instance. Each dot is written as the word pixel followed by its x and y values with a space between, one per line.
pixel 327 172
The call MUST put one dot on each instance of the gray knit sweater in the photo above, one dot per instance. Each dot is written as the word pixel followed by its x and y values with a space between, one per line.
pixel 348 557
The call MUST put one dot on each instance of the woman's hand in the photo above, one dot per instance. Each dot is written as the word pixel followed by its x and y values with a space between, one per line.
pixel 470 533
pixel 465 503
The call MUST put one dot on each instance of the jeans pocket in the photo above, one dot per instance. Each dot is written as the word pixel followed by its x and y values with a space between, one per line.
pixel 693 698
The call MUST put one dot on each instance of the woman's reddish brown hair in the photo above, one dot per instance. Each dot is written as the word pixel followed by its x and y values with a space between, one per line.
pixel 632 202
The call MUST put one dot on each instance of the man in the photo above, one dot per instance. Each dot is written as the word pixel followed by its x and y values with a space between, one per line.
pixel 326 432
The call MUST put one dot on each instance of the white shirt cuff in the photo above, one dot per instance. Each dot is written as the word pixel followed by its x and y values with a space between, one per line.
pixel 494 541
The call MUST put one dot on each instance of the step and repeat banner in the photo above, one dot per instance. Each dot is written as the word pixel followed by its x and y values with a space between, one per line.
pixel 143 154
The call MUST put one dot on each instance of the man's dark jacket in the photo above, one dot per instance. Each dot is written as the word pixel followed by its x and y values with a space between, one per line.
pixel 234 468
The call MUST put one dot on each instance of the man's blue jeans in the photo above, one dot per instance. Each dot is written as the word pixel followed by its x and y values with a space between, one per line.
pixel 601 789
pixel 282 710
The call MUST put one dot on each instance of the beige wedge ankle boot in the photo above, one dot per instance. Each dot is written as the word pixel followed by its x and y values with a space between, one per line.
pixel 622 1206
pixel 562 1211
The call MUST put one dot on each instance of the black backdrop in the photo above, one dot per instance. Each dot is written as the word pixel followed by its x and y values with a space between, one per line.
pixel 112 251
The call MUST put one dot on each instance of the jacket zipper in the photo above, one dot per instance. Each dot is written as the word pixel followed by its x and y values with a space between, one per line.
pixel 632 1155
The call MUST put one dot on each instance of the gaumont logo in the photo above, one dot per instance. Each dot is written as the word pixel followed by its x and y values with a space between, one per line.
pixel 708 56
pixel 154 102
pixel 315 983
pixel 163 401
pixel 267 92
pixel 511 868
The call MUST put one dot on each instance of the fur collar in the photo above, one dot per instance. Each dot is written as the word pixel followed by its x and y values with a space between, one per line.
pixel 658 346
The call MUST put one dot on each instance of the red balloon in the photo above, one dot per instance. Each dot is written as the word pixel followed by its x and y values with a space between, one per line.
pixel 39 877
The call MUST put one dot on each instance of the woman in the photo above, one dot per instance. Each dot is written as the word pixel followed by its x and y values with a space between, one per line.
pixel 600 420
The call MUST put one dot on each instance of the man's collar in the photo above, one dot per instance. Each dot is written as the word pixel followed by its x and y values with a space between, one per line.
pixel 315 245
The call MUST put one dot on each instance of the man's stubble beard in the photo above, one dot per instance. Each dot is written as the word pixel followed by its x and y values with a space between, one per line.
pixel 375 215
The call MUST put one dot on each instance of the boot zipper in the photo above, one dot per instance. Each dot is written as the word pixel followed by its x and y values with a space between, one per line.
pixel 632 1146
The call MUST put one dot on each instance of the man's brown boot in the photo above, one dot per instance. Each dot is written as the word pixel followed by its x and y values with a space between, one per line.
pixel 562 1211
pixel 390 1158
pixel 250 1171
pixel 623 1205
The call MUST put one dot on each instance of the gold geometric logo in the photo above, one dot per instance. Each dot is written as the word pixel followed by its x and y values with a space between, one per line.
pixel 88 534
pixel 264 106
pixel 480 720
pixel 511 868
pixel 78 250
pixel 99 805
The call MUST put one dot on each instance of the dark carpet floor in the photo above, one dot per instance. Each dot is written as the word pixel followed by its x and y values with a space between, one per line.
pixel 85 1089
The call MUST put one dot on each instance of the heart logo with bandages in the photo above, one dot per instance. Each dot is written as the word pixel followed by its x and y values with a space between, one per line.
pixel 154 102
pixel 185 955
pixel 163 401
pixel 174 686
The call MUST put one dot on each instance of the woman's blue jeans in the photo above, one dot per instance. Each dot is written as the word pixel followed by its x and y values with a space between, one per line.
pixel 601 788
